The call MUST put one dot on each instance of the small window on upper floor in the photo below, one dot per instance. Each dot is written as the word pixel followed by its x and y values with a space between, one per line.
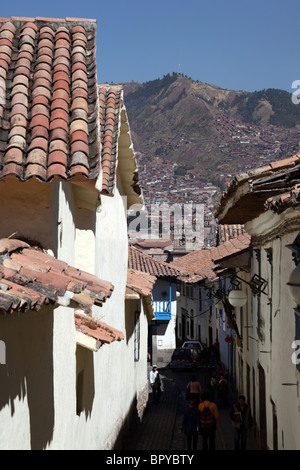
pixel 137 335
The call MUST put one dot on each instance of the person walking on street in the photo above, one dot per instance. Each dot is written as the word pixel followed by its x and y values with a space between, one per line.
pixel 242 421
pixel 208 422
pixel 155 383
pixel 222 390
pixel 194 390
pixel 191 425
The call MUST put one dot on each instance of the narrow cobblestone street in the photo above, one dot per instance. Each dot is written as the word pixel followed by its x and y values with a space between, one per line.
pixel 161 425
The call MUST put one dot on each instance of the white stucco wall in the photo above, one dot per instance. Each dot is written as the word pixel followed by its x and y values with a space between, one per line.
pixel 29 210
pixel 38 386
pixel 114 370
pixel 26 395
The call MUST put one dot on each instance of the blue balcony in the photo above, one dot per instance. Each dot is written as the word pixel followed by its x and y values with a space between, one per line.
pixel 162 309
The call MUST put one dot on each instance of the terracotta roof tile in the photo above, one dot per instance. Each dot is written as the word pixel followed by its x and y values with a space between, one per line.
pixel 48 70
pixel 96 329
pixel 139 261
pixel 201 264
pixel 262 179
pixel 30 278
pixel 197 264
pixel 231 247
pixel 41 276
pixel 110 104
pixel 283 201
pixel 140 282
pixel 228 231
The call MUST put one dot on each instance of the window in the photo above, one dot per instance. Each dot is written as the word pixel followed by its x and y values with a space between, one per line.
pixel 260 320
pixel 269 255
pixel 200 299
pixel 137 336
pixel 2 352
pixel 192 323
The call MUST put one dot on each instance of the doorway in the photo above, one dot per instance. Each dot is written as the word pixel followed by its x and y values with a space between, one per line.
pixel 262 408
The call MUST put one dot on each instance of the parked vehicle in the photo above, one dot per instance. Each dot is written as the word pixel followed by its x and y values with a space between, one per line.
pixel 193 344
pixel 185 358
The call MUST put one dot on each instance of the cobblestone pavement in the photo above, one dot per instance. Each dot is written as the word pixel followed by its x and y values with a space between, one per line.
pixel 161 425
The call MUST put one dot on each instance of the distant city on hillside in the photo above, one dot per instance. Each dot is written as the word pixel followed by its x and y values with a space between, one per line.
pixel 191 138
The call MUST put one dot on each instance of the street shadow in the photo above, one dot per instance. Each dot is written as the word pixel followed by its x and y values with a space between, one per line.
pixel 28 376
pixel 85 381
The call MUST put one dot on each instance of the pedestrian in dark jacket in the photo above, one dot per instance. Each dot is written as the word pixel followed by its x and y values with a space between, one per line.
pixel 242 421
pixel 191 425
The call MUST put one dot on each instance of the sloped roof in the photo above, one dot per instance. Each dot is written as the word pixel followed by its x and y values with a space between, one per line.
pixel 228 231
pixel 110 103
pixel 116 144
pixel 246 195
pixel 153 243
pixel 201 264
pixel 30 278
pixel 140 261
pixel 198 264
pixel 48 99
pixel 231 247
pixel 140 282
pixel 53 115
pixel 96 329
pixel 283 201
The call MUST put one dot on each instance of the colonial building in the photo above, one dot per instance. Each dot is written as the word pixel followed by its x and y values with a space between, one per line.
pixel 266 201
pixel 162 330
pixel 203 310
pixel 67 176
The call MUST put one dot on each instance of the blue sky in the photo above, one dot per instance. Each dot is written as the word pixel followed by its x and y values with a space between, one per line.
pixel 237 45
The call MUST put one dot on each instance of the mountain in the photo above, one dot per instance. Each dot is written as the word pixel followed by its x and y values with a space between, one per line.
pixel 207 132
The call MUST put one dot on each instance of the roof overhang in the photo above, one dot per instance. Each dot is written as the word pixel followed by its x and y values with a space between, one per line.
pixel 117 153
pixel 239 260
pixel 128 165
pixel 31 278
pixel 92 334
pixel 139 286
pixel 245 197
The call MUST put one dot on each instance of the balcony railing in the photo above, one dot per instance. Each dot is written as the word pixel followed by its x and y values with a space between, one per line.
pixel 162 309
